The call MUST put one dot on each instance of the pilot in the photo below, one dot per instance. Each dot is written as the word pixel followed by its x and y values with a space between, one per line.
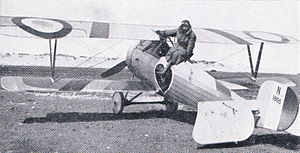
pixel 183 48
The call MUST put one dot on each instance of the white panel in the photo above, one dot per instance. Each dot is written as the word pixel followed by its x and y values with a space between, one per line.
pixel 195 74
pixel 270 102
pixel 222 121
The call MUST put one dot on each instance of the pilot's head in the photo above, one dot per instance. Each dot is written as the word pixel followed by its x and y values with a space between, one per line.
pixel 185 25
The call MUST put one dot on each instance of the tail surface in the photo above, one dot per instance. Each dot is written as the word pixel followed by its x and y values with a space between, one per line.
pixel 278 107
pixel 233 120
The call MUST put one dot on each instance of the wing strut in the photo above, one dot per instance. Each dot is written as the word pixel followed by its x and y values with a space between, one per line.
pixel 52 58
pixel 254 73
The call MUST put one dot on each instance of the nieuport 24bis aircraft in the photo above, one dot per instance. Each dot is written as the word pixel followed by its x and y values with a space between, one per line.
pixel 222 115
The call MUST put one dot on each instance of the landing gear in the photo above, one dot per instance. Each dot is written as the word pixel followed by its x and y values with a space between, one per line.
pixel 171 107
pixel 118 102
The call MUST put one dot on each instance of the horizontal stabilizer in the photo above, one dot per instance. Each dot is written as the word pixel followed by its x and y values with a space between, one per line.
pixel 222 121
pixel 278 107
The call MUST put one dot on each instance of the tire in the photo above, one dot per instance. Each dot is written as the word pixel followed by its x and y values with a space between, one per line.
pixel 171 107
pixel 118 102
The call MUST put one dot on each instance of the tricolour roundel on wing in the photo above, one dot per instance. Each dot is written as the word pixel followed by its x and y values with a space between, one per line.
pixel 267 36
pixel 44 28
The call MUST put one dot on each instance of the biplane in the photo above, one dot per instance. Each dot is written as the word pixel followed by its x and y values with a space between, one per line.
pixel 222 115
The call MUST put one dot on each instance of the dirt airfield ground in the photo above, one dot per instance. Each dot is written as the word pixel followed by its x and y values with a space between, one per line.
pixel 73 122
pixel 84 122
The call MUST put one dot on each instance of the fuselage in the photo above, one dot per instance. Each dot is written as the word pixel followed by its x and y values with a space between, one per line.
pixel 183 84
pixel 188 84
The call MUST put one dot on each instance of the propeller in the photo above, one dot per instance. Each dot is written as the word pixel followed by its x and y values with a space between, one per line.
pixel 116 69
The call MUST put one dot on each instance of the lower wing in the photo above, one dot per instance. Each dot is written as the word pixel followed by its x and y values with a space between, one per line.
pixel 15 83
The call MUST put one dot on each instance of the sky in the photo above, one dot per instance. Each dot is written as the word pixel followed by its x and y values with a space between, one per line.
pixel 273 16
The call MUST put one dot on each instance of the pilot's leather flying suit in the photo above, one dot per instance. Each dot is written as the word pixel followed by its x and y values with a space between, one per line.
pixel 183 48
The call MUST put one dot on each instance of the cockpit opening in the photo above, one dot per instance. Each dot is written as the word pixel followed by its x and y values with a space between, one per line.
pixel 154 47
pixel 163 80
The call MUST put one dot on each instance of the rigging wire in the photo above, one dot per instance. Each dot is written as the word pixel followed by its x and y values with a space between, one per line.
pixel 103 50
pixel 107 59
pixel 230 55
pixel 84 45
pixel 98 53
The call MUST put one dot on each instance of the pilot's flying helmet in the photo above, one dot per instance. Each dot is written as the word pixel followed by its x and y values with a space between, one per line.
pixel 185 25
pixel 185 22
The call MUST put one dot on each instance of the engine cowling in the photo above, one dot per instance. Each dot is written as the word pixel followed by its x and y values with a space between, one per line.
pixel 143 58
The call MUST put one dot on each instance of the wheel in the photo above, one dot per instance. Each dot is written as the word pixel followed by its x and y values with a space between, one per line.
pixel 118 102
pixel 171 106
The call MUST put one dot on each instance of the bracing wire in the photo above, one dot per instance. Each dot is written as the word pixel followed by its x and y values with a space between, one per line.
pixel 103 61
pixel 98 53
pixel 84 45
pixel 230 55
pixel 103 50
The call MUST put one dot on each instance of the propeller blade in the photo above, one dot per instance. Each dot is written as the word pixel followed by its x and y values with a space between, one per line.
pixel 116 69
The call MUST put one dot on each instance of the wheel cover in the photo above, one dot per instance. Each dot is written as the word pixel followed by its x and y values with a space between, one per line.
pixel 117 103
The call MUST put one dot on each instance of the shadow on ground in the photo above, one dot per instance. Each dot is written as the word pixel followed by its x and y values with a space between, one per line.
pixel 286 141
pixel 182 116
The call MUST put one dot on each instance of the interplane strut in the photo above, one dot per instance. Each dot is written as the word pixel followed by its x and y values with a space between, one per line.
pixel 254 73
pixel 52 58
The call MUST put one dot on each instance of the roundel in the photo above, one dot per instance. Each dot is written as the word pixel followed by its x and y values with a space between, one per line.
pixel 44 28
pixel 267 36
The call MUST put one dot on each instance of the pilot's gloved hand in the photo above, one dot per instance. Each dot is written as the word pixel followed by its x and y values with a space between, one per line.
pixel 158 32
pixel 189 54
pixel 192 61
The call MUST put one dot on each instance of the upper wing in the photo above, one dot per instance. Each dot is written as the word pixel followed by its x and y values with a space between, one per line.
pixel 56 28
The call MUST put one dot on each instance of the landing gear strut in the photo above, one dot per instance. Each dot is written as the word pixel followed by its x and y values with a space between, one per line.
pixel 120 101
pixel 171 107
